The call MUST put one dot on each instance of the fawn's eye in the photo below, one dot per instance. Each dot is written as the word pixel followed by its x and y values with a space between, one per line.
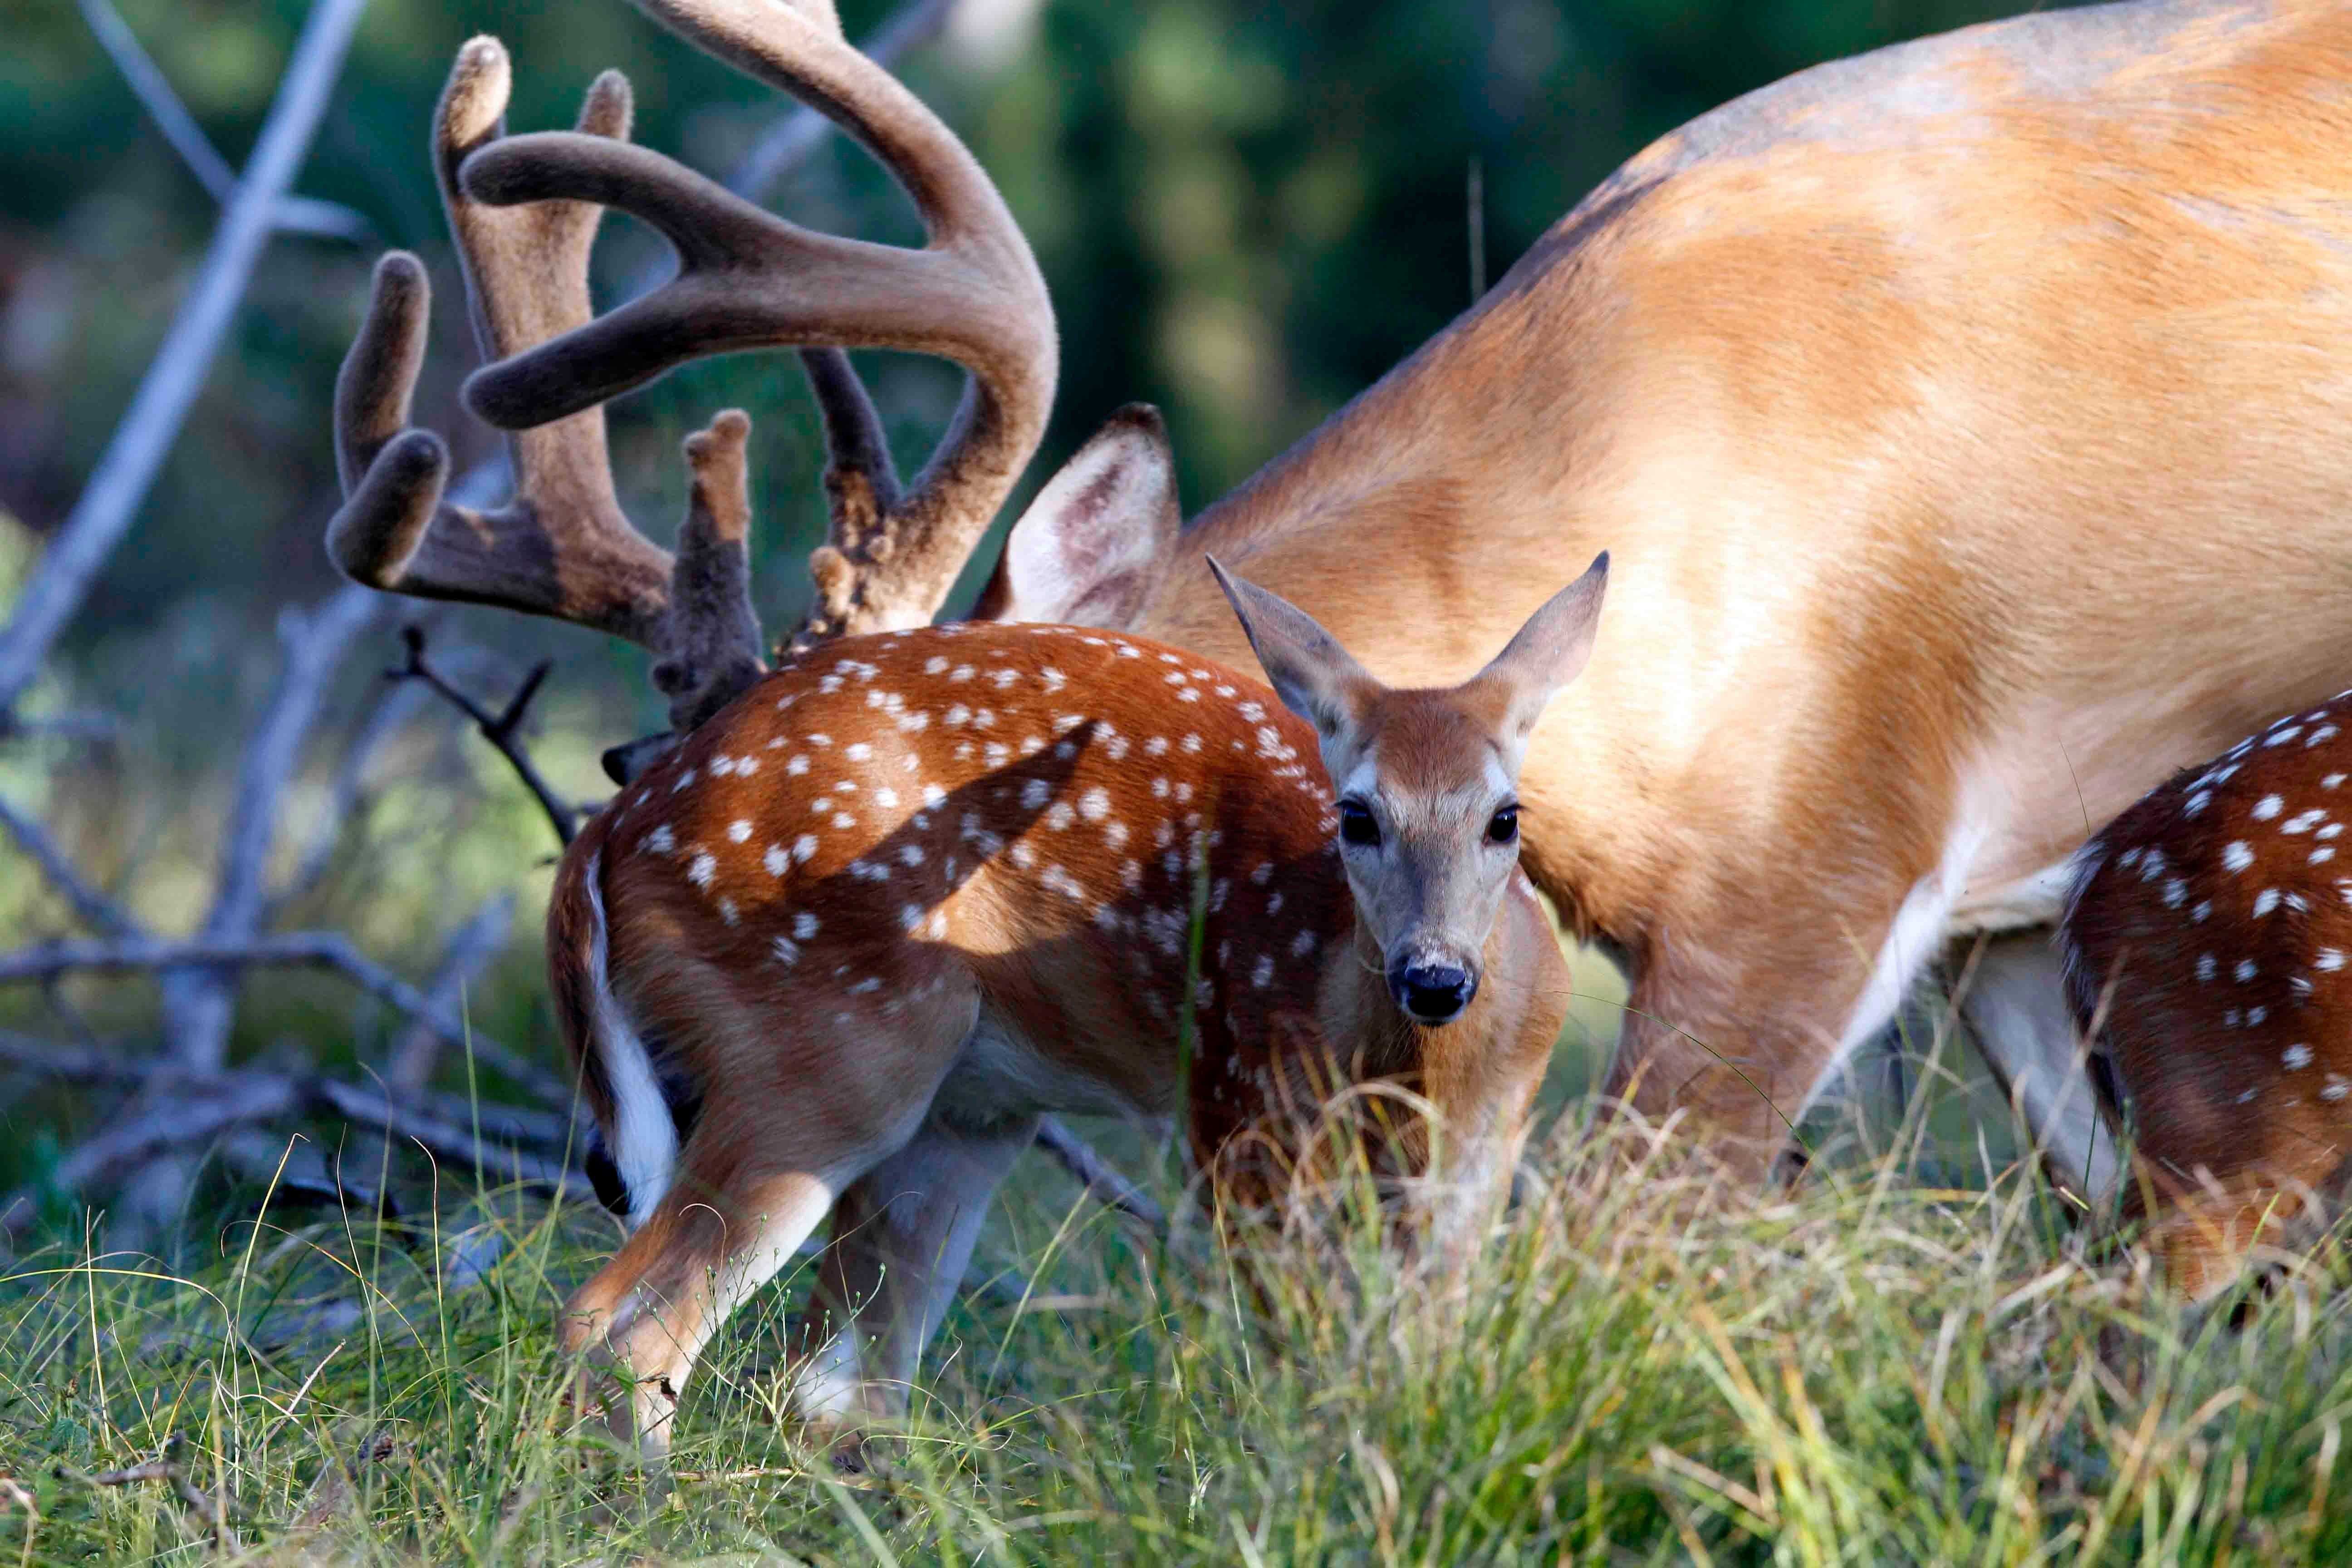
pixel 1356 824
pixel 1502 827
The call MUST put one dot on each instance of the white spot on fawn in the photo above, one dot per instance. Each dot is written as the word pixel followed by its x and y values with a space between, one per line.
pixel 739 830
pixel 2270 805
pixel 2265 902
pixel 2238 855
pixel 2296 1057
pixel 2245 969
pixel 805 925
pixel 2330 958
pixel 2205 967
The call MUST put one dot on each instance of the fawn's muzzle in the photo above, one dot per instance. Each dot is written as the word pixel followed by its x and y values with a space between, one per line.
pixel 1432 993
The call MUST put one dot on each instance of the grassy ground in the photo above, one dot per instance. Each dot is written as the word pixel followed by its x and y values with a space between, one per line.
pixel 1644 1367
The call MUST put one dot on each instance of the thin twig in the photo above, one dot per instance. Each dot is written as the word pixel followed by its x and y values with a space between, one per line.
pixel 110 500
pixel 499 728
pixel 293 215
pixel 173 1470
pixel 1097 1174
pixel 94 909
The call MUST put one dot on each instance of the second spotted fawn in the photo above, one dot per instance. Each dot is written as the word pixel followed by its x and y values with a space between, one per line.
pixel 2209 945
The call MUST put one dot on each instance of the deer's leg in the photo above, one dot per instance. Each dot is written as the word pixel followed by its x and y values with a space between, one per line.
pixel 2016 1008
pixel 1744 1033
pixel 902 1236
pixel 716 1236
pixel 777 1142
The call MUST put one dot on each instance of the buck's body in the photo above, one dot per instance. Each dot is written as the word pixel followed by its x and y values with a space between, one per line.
pixel 1972 423
pixel 866 925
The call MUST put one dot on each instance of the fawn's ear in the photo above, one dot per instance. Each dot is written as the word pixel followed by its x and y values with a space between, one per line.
pixel 1089 547
pixel 1547 652
pixel 1314 677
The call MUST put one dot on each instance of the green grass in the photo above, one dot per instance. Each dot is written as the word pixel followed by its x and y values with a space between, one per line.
pixel 1644 1366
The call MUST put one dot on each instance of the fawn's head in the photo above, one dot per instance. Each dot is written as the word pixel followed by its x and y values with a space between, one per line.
pixel 1427 780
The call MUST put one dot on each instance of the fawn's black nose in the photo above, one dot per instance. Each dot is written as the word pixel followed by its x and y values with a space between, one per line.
pixel 1432 993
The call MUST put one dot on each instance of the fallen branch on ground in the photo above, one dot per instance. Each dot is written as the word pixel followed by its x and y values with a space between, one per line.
pixel 324 950
pixel 171 1468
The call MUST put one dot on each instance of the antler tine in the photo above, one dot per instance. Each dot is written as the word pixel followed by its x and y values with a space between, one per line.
pixel 562 547
pixel 750 279
pixel 713 646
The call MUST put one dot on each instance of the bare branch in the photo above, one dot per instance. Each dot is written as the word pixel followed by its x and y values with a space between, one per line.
pixel 499 728
pixel 107 505
pixel 191 1111
pixel 199 1006
pixel 418 1052
pixel 75 1064
pixel 95 910
pixel 171 1467
pixel 294 215
pixel 451 1141
pixel 98 728
pixel 325 949
pixel 174 1112
pixel 347 797
pixel 1100 1177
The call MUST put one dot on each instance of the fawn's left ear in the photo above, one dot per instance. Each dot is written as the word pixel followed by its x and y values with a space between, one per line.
pixel 1314 677
pixel 1549 651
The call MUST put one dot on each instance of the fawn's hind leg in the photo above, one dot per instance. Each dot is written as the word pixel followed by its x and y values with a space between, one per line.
pixel 778 1138
pixel 902 1236
pixel 708 1244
